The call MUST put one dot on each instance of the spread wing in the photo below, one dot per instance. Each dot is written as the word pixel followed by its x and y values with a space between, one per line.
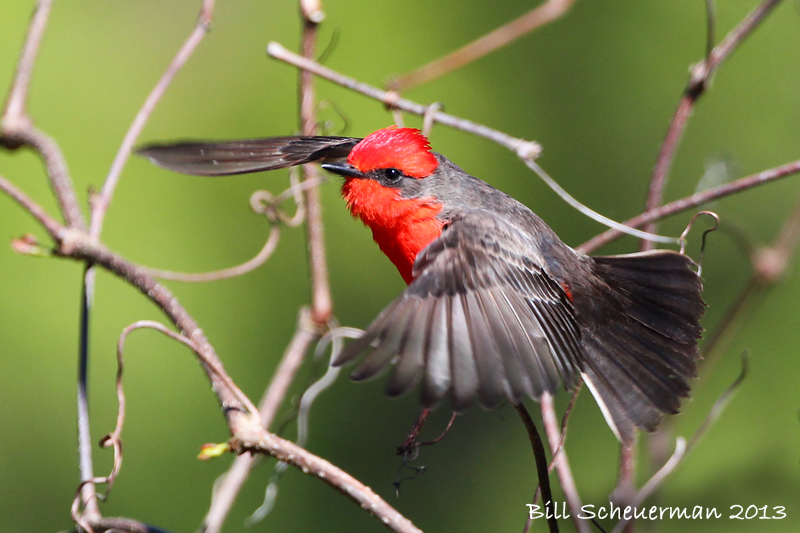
pixel 241 157
pixel 481 319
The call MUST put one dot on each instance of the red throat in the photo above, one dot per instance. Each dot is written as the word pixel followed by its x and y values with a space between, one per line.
pixel 401 227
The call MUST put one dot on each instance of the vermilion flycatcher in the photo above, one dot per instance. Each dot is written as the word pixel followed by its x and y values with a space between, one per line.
pixel 497 307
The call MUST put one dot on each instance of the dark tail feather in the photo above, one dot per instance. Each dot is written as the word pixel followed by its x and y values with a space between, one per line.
pixel 641 355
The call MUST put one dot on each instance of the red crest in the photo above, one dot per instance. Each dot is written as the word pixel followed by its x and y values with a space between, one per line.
pixel 405 149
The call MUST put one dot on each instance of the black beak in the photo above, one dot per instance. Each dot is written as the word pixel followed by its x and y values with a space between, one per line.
pixel 343 169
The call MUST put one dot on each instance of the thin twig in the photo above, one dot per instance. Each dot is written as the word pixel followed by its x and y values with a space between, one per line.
pixel 719 406
pixel 114 439
pixel 321 304
pixel 17 129
pixel 655 481
pixel 81 246
pixel 101 203
pixel 115 436
pixel 56 167
pixel 521 147
pixel 693 201
pixel 225 273
pixel 769 264
pixel 247 432
pixel 498 38
pixel 541 466
pixel 561 462
pixel 227 489
pixel 590 213
pixel 698 83
pixel 303 417
pixel 14 112
pixel 261 441
pixel 625 490
pixel 525 150
pixel 51 225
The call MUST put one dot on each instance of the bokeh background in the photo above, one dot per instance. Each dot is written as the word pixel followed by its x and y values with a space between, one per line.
pixel 596 88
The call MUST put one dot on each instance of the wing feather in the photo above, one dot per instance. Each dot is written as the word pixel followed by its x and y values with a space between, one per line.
pixel 245 156
pixel 482 319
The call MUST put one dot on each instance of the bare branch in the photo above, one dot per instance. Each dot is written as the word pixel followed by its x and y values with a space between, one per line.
pixel 498 38
pixel 93 520
pixel 228 487
pixel 309 322
pixel 246 430
pixel 101 202
pixel 719 406
pixel 698 83
pixel 53 228
pixel 15 116
pixel 225 273
pixel 57 170
pixel 234 402
pixel 693 201
pixel 321 304
pixel 16 127
pixel 521 147
pixel 590 213
pixel 655 481
pixel 561 462
pixel 259 440
pixel 306 333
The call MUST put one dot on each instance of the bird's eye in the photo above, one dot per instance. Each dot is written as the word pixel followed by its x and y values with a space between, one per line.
pixel 392 174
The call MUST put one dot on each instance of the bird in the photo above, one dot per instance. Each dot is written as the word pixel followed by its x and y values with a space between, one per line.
pixel 497 308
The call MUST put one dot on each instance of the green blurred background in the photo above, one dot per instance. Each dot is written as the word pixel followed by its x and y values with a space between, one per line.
pixel 597 89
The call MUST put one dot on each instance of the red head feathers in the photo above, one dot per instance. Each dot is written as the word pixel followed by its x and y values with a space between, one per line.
pixel 405 149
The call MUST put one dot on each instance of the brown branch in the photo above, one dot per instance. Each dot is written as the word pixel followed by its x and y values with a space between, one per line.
pixel 226 490
pixel 698 83
pixel 15 110
pixel 51 225
pixel 321 304
pixel 654 482
pixel 91 520
pixel 259 440
pixel 521 147
pixel 17 129
pixel 498 38
pixel 693 201
pixel 56 167
pixel 561 462
pixel 247 432
pixel 101 203
pixel 234 402
pixel 309 323
pixel 769 264
pixel 225 273
pixel 625 490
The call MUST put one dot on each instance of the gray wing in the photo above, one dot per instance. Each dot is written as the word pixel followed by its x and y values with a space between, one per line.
pixel 481 319
pixel 241 157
